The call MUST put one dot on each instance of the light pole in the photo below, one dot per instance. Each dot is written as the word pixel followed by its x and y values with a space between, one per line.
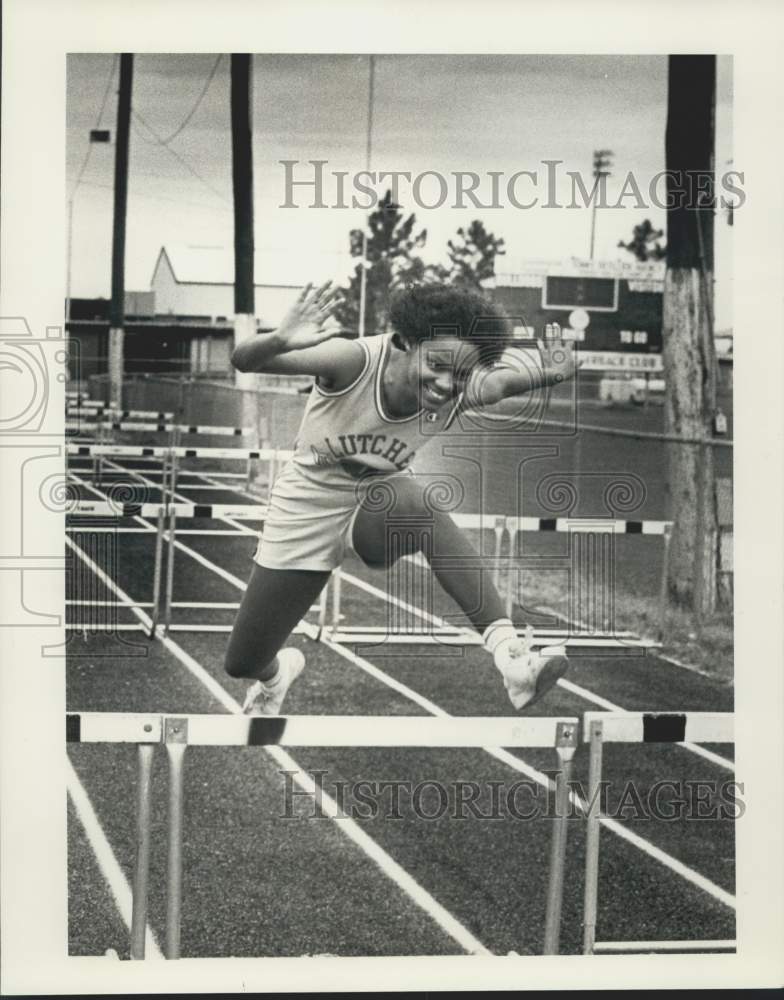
pixel 363 272
pixel 601 165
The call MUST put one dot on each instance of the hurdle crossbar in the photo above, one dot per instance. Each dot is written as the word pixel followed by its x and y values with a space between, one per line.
pixel 108 411
pixel 373 635
pixel 162 451
pixel 587 524
pixel 631 947
pixel 177 732
pixel 633 727
pixel 106 508
pixel 319 730
pixel 161 428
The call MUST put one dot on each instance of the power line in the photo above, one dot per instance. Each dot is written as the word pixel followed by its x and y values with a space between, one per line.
pixel 177 156
pixel 161 197
pixel 195 107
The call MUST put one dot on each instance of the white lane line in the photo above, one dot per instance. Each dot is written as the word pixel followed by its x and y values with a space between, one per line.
pixel 385 862
pixel 104 856
pixel 241 528
pixel 570 686
pixel 689 874
pixel 229 577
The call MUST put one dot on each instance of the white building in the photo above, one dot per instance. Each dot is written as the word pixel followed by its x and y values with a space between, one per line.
pixel 199 281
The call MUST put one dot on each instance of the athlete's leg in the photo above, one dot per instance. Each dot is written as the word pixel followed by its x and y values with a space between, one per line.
pixel 275 601
pixel 381 537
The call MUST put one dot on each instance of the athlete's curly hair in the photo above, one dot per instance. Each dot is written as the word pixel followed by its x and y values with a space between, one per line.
pixel 425 311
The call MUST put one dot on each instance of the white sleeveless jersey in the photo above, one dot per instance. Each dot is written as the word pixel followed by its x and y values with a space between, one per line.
pixel 347 434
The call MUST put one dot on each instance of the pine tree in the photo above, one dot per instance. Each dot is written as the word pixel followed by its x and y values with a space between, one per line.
pixel 472 256
pixel 644 243
pixel 392 263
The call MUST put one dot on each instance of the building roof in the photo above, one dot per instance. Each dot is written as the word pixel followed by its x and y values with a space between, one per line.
pixel 214 265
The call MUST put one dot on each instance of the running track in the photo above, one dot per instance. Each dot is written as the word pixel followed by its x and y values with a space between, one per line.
pixel 259 884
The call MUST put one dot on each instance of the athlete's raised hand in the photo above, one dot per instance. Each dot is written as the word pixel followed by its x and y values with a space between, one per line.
pixel 310 320
pixel 559 360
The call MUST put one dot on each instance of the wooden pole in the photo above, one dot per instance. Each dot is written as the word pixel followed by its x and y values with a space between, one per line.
pixel 242 179
pixel 368 151
pixel 689 365
pixel 117 309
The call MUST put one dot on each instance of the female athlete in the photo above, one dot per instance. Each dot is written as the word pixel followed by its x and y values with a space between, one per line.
pixel 374 403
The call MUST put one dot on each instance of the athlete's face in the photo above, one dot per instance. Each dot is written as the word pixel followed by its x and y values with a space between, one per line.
pixel 440 367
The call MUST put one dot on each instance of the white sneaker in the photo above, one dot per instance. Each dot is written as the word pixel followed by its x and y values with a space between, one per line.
pixel 266 697
pixel 528 674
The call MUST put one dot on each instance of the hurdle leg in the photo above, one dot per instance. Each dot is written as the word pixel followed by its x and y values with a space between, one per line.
pixel 336 579
pixel 271 470
pixel 176 438
pixel 169 571
pixel 175 735
pixel 593 830
pixel 156 579
pixel 511 575
pixel 323 605
pixel 500 528
pixel 663 585
pixel 566 743
pixel 141 868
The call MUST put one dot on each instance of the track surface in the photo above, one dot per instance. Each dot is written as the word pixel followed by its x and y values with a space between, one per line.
pixel 265 874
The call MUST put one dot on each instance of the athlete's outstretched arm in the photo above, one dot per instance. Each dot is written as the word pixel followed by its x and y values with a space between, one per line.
pixel 522 370
pixel 305 343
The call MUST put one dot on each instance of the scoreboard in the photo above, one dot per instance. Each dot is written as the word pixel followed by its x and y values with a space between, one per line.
pixel 575 292
pixel 600 305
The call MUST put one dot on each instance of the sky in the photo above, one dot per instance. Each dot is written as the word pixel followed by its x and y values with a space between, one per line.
pixel 429 113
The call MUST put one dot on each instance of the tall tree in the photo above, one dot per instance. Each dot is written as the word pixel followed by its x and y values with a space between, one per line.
pixel 391 263
pixel 688 349
pixel 472 256
pixel 644 243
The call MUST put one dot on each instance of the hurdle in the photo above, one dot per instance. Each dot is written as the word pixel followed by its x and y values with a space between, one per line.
pixel 591 637
pixel 272 456
pixel 177 732
pixel 638 727
pixel 159 428
pixel 98 410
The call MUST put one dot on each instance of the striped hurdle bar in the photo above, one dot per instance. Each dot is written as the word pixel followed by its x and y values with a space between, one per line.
pixel 638 727
pixel 217 431
pixel 272 456
pixel 176 733
pixel 105 508
pixel 115 414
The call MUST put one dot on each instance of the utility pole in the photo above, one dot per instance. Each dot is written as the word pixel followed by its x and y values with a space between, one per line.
pixel 601 165
pixel 368 150
pixel 117 310
pixel 242 178
pixel 688 351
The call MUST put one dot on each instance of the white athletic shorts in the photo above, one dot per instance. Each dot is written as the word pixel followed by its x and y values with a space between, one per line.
pixel 310 521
